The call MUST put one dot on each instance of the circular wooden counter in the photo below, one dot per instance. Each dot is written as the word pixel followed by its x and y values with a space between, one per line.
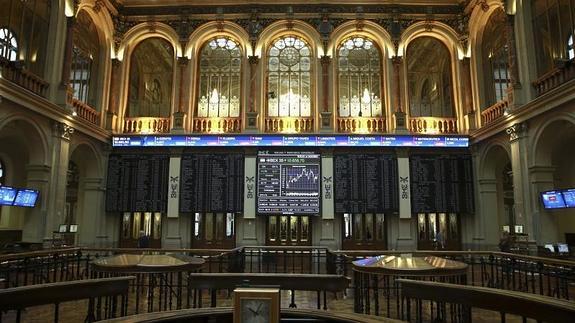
pixel 410 266
pixel 127 263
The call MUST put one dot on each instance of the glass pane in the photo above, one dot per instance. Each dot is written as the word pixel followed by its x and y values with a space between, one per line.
pixel 209 230
pixel 432 226
pixel 148 223
pixel 272 229
pixel 126 225
pixel 358 228
pixel 304 228
pixel 453 230
pixel 197 223
pixel 283 228
pixel 136 225
pixel 347 227
pixel 219 226
pixel 157 232
pixel 293 228
pixel 369 226
pixel 442 232
pixel 380 227
pixel 421 226
pixel 230 225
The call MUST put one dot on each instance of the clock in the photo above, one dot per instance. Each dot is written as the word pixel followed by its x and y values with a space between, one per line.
pixel 256 305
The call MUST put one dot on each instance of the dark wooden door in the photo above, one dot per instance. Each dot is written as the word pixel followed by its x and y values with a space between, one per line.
pixel 438 231
pixel 134 223
pixel 214 231
pixel 364 231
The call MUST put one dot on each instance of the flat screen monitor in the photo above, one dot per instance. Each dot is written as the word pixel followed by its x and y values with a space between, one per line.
pixel 26 198
pixel 562 248
pixel 506 228
pixel 63 228
pixel 288 182
pixel 569 197
pixel 73 228
pixel 518 228
pixel 550 247
pixel 7 195
pixel 552 200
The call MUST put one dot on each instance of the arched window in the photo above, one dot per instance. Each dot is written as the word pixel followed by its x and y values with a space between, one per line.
pixel 150 85
pixel 359 78
pixel 570 48
pixel 429 78
pixel 495 59
pixel 220 81
pixel 85 58
pixel 289 78
pixel 8 45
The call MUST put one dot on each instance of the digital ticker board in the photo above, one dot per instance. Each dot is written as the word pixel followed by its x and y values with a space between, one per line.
pixel 242 140
pixel 288 183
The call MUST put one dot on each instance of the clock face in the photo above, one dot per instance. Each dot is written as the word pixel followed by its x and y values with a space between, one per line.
pixel 255 310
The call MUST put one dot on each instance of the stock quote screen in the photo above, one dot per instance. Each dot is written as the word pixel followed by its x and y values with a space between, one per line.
pixel 288 182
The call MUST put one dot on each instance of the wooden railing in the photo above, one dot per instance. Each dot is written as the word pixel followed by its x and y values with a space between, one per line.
pixel 146 125
pixel 289 124
pixel 461 299
pixel 292 282
pixel 361 124
pixel 85 112
pixel 217 125
pixel 433 125
pixel 494 112
pixel 562 73
pixel 20 298
pixel 14 72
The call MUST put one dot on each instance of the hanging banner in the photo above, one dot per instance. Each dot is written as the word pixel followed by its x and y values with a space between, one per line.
pixel 174 187
pixel 404 188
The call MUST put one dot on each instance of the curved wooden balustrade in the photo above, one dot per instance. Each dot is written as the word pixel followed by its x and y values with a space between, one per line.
pixel 289 124
pixel 217 125
pixel 225 315
pixel 431 125
pixel 557 76
pixel 361 124
pixel 540 308
pixel 85 112
pixel 13 72
pixel 20 298
pixel 494 112
pixel 146 125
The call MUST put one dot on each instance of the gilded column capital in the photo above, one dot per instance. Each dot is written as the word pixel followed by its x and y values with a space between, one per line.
pixel 516 131
pixel 62 130
pixel 253 60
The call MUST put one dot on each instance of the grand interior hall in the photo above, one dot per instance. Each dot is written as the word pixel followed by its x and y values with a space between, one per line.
pixel 287 161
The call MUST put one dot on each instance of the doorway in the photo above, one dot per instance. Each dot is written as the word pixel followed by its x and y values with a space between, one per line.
pixel 214 231
pixel 288 230
pixel 135 222
pixel 438 231
pixel 364 231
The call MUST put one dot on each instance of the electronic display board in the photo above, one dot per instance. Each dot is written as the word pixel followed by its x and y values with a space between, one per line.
pixel 7 195
pixel 243 140
pixel 288 183
pixel 441 183
pixel 26 198
pixel 553 200
pixel 569 197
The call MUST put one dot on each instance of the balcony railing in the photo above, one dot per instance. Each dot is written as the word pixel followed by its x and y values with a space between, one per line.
pixel 217 125
pixel 433 125
pixel 557 76
pixel 85 112
pixel 289 124
pixel 13 72
pixel 360 124
pixel 147 125
pixel 494 112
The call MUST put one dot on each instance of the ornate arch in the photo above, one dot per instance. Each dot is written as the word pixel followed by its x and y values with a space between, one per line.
pixel 38 149
pixel 537 137
pixel 284 27
pixel 92 148
pixel 217 28
pixel 369 29
pixel 435 29
pixel 146 30
pixel 484 159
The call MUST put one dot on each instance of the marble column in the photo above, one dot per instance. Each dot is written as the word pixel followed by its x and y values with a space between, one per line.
pixel 180 112
pixel 521 188
pixel 113 104
pixel 486 221
pixel 326 114
pixel 91 232
pixel 34 219
pixel 398 111
pixel 544 221
pixel 514 87
pixel 67 66
pixel 252 113
pixel 468 110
